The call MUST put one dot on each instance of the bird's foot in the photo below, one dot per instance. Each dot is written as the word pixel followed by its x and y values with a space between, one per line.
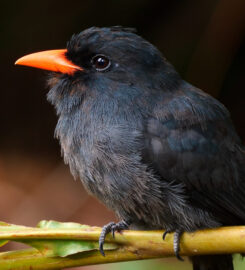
pixel 177 235
pixel 111 227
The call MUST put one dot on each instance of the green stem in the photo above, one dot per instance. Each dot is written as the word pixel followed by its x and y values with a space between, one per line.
pixel 133 245
pixel 210 241
pixel 32 259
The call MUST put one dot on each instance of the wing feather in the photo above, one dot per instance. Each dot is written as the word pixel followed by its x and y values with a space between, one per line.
pixel 190 139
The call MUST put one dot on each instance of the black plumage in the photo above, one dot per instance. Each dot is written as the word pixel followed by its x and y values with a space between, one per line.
pixel 156 150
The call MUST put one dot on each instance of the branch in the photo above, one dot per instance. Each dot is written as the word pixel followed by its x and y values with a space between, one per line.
pixel 127 246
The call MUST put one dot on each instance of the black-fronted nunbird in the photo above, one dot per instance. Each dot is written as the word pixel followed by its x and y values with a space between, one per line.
pixel 156 150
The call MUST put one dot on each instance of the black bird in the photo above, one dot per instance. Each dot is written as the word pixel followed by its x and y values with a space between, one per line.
pixel 156 150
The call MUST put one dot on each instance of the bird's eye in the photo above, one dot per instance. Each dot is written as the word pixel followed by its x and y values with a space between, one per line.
pixel 101 62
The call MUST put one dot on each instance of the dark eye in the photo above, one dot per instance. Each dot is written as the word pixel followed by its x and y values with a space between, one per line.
pixel 100 62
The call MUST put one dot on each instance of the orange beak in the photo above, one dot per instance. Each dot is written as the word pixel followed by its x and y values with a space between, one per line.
pixel 53 60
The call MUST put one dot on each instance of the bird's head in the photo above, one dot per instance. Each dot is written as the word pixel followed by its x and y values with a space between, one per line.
pixel 106 59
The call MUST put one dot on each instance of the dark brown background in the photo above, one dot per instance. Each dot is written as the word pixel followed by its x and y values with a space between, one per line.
pixel 203 39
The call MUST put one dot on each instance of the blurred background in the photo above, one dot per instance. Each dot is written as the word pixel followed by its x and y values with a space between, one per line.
pixel 203 39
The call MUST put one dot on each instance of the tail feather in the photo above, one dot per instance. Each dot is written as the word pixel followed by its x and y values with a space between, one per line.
pixel 212 262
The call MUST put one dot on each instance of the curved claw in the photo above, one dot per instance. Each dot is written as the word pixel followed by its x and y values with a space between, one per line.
pixel 165 234
pixel 177 236
pixel 105 230
pixel 179 257
pixel 111 227
pixel 101 249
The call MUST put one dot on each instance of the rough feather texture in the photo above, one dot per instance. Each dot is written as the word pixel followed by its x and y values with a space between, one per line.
pixel 159 152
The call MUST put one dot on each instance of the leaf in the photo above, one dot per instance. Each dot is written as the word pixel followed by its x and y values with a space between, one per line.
pixel 51 224
pixel 63 248
pixel 53 247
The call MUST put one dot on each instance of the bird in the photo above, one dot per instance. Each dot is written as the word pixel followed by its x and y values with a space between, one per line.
pixel 158 151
